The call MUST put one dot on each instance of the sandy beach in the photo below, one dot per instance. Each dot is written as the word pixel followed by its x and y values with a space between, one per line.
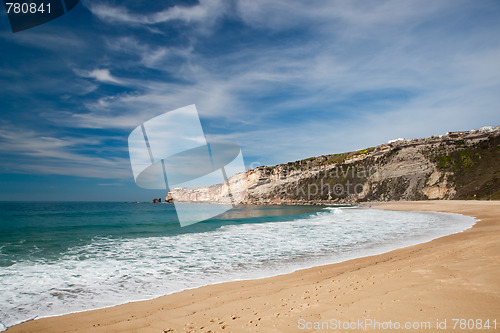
pixel 430 284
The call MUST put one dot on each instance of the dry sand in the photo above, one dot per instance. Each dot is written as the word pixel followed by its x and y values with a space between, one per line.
pixel 457 276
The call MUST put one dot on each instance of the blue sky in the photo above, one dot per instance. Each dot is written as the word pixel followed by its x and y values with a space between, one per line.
pixel 284 79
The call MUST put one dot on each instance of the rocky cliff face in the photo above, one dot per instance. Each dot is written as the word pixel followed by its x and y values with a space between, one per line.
pixel 458 165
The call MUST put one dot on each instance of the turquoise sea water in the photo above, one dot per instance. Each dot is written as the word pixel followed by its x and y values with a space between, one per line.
pixel 61 257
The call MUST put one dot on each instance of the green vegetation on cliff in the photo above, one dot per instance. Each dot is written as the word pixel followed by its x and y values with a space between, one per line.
pixel 474 167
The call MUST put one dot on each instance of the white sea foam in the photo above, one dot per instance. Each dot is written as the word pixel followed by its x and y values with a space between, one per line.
pixel 112 271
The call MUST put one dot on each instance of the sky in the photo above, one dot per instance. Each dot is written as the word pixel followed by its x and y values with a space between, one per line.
pixel 284 79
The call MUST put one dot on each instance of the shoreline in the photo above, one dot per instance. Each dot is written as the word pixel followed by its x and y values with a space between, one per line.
pixel 349 290
pixel 377 250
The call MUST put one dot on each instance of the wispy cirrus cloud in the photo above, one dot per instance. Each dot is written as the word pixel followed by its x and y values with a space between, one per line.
pixel 54 154
pixel 206 11
pixel 149 55
pixel 285 79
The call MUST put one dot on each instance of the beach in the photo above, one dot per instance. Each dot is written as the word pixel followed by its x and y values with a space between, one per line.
pixel 426 285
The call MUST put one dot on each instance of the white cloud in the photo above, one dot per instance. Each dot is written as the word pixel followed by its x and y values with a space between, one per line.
pixel 51 38
pixel 103 75
pixel 205 12
pixel 150 56
pixel 29 151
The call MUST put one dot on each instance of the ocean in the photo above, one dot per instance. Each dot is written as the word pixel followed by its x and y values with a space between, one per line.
pixel 62 257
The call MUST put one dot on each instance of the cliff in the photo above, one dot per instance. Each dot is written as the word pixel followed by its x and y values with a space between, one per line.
pixel 458 165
